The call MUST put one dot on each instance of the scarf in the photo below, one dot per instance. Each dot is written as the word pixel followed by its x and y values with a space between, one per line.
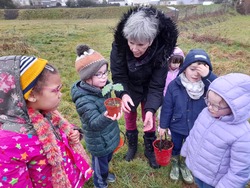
pixel 194 89
pixel 47 137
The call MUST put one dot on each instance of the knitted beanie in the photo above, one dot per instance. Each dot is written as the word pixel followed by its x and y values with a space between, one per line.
pixel 195 55
pixel 30 69
pixel 88 62
pixel 178 51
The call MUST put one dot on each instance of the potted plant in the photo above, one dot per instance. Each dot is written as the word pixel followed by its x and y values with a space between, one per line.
pixel 113 105
pixel 163 150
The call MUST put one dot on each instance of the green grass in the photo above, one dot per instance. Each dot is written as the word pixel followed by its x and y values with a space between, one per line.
pixel 226 39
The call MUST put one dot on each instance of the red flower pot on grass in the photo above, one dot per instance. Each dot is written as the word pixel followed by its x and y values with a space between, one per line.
pixel 163 151
pixel 121 143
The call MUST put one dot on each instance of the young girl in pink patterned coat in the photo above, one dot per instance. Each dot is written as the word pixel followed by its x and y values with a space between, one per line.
pixel 38 147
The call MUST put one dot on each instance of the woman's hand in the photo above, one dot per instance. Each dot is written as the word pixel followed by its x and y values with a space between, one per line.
pixel 126 100
pixel 74 136
pixel 148 122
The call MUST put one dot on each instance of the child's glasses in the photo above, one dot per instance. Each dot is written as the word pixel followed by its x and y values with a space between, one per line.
pixel 101 74
pixel 55 90
pixel 216 108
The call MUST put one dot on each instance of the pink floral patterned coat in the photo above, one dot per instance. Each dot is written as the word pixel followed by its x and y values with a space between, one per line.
pixel 23 162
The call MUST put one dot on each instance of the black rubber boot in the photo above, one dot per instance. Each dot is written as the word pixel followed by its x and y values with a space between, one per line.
pixel 149 138
pixel 132 137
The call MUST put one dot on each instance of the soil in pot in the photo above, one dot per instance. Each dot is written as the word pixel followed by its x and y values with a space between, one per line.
pixel 165 144
pixel 113 106
pixel 163 151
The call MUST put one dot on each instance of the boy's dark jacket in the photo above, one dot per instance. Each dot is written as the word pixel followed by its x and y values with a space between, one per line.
pixel 144 78
pixel 101 134
pixel 179 111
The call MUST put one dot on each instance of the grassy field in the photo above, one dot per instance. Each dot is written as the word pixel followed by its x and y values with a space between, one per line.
pixel 225 38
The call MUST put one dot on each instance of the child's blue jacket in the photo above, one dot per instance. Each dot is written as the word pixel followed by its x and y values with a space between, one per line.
pixel 179 111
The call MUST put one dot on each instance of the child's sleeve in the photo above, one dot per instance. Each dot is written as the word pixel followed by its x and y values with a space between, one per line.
pixel 74 127
pixel 166 110
pixel 80 131
pixel 209 79
pixel 22 161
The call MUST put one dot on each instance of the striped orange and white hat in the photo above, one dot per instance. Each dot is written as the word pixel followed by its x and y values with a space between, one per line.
pixel 88 61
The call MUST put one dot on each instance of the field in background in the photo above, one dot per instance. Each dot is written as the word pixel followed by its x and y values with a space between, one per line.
pixel 226 39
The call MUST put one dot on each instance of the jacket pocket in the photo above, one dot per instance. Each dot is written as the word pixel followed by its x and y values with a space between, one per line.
pixel 176 118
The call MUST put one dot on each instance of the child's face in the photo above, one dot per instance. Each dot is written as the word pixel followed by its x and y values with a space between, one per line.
pixel 175 62
pixel 100 78
pixel 216 105
pixel 192 73
pixel 49 98
pixel 174 66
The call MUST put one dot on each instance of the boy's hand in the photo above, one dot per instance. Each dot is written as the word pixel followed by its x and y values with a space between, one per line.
pixel 115 117
pixel 74 136
pixel 162 131
pixel 203 70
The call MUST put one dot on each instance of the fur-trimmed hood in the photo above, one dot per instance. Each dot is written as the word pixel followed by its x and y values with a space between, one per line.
pixel 166 37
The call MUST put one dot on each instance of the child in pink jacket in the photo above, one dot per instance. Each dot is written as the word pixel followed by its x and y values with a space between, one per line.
pixel 38 147
pixel 174 62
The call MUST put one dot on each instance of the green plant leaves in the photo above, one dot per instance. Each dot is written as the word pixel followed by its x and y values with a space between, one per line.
pixel 111 87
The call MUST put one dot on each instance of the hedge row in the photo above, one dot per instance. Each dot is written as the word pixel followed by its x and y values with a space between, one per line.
pixel 69 13
pixel 92 13
pixel 1 14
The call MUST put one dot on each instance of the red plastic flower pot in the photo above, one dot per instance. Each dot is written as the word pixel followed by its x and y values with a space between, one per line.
pixel 163 153
pixel 121 143
pixel 113 106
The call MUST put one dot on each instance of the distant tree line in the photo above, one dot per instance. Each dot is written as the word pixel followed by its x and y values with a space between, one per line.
pixel 7 4
pixel 84 3
pixel 241 6
pixel 80 3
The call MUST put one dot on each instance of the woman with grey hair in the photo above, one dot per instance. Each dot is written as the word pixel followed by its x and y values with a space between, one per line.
pixel 143 41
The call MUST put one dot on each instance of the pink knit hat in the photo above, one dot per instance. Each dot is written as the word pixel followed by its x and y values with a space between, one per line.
pixel 178 51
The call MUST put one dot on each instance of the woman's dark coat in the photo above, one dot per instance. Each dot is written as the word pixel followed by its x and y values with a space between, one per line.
pixel 144 78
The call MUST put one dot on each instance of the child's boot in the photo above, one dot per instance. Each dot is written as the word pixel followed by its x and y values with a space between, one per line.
pixel 175 171
pixel 185 172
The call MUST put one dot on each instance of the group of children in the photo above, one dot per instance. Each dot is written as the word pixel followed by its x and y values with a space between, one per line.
pixel 39 148
pixel 183 102
pixel 211 144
